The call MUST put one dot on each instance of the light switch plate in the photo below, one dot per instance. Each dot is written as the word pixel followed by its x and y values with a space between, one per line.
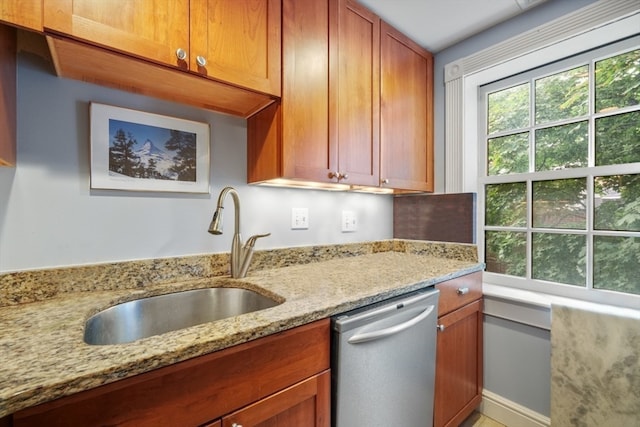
pixel 349 221
pixel 299 218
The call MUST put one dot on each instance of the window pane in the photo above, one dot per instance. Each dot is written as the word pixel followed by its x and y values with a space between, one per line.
pixel 617 81
pixel 616 264
pixel 508 109
pixel 563 95
pixel 618 139
pixel 617 203
pixel 559 258
pixel 560 203
pixel 506 252
pixel 508 154
pixel 506 204
pixel 562 147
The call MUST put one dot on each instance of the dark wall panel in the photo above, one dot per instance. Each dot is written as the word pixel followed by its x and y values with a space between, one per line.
pixel 438 217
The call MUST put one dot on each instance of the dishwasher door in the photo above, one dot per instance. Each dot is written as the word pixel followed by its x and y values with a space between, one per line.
pixel 383 363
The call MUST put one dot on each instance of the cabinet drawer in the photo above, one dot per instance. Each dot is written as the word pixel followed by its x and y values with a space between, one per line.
pixel 460 291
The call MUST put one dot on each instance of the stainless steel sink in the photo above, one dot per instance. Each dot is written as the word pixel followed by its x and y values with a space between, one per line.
pixel 156 315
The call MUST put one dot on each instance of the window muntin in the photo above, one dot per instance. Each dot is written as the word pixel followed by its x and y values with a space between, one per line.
pixel 561 186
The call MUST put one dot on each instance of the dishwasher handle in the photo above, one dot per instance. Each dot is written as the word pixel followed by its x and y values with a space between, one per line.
pixel 382 333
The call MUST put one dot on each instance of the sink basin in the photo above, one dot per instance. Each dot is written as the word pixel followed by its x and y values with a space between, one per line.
pixel 156 315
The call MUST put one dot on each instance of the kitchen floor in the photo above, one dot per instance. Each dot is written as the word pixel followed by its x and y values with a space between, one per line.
pixel 478 420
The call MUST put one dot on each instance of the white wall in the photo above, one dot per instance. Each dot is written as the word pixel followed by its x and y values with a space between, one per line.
pixel 49 216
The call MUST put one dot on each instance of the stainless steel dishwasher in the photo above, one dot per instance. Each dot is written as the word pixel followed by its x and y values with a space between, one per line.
pixel 383 363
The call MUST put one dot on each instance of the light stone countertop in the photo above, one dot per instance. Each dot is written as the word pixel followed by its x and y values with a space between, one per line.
pixel 43 356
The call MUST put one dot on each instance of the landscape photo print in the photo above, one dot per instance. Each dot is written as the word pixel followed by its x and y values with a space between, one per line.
pixel 139 151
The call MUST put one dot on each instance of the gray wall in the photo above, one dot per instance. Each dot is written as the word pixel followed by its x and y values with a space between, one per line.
pixel 517 362
pixel 49 216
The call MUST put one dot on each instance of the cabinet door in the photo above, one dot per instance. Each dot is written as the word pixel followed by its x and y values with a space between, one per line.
pixel 358 93
pixel 293 139
pixel 458 389
pixel 25 13
pixel 406 99
pixel 8 96
pixel 145 28
pixel 239 40
pixel 304 404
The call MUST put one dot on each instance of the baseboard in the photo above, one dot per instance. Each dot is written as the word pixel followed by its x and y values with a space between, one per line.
pixel 510 413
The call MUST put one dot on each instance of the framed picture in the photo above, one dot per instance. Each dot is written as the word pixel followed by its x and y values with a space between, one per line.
pixel 134 150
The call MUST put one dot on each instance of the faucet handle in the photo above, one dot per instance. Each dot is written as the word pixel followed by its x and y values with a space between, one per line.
pixel 251 241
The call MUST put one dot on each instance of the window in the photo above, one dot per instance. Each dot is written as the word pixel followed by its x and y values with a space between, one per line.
pixel 560 175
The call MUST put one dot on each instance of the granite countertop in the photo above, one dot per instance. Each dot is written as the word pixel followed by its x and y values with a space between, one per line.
pixel 44 357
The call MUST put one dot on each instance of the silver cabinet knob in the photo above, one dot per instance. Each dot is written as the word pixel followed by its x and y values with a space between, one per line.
pixel 236 425
pixel 339 176
pixel 181 54
pixel 463 291
pixel 440 328
pixel 202 61
pixel 384 181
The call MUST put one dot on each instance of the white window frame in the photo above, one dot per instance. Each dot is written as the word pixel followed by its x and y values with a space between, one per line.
pixel 603 22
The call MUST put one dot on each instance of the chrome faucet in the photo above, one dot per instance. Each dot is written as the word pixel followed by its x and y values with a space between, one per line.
pixel 241 255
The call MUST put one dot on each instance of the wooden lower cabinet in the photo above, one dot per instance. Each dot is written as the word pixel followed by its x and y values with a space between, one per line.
pixel 273 381
pixel 304 404
pixel 458 384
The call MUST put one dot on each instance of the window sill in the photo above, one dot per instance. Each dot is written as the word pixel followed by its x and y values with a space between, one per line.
pixel 534 308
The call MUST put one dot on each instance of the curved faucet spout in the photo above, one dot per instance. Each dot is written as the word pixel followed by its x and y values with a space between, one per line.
pixel 240 256
pixel 216 222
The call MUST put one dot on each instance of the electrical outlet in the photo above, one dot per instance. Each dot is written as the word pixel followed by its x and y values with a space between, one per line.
pixel 299 218
pixel 349 221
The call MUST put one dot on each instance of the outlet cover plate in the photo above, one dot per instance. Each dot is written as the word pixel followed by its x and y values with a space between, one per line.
pixel 349 221
pixel 299 218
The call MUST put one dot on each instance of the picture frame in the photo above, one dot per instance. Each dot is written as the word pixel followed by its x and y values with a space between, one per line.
pixel 139 151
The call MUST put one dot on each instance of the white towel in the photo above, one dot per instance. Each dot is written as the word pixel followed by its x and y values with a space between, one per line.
pixel 595 368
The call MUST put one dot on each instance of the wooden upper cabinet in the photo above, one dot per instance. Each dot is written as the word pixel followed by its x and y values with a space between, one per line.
pixel 23 13
pixel 144 28
pixel 8 115
pixel 293 140
pixel 234 41
pixel 406 112
pixel 239 40
pixel 357 94
pixel 325 130
pixel 356 108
